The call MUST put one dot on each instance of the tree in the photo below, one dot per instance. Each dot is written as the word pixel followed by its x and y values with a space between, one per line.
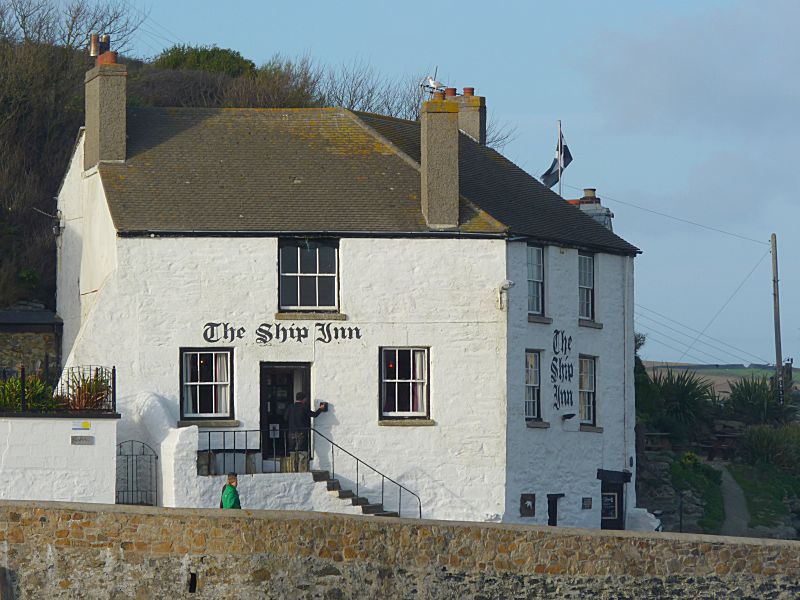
pixel 205 58
pixel 41 107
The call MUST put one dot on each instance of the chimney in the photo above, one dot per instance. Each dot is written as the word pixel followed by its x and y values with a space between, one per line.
pixel 472 115
pixel 439 162
pixel 590 204
pixel 105 106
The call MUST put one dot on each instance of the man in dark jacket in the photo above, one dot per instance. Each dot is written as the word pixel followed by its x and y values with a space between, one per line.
pixel 298 419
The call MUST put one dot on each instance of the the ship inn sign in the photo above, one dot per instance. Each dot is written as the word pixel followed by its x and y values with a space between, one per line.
pixel 278 333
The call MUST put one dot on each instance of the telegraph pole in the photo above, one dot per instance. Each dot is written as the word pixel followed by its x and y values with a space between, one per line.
pixel 777 309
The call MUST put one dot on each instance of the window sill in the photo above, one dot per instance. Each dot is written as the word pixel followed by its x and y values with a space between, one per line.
pixel 301 315
pixel 209 423
pixel 407 423
pixel 533 424
pixel 591 428
pixel 539 319
pixel 590 324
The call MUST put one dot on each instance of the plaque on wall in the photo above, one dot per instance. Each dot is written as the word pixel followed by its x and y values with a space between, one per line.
pixel 527 505
pixel 586 503
pixel 609 506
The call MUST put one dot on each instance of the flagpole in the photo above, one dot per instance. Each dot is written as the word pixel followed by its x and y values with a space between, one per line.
pixel 559 157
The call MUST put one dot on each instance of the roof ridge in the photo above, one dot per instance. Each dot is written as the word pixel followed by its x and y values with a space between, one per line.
pixel 355 116
pixel 380 116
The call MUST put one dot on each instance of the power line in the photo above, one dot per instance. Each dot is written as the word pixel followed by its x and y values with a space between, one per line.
pixel 683 333
pixel 674 218
pixel 744 352
pixel 658 341
pixel 728 301
pixel 714 359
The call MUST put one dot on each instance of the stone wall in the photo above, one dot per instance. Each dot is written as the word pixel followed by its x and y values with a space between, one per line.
pixel 50 550
pixel 28 350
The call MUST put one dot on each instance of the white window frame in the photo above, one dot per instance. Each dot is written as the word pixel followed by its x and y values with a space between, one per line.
pixel 535 262
pixel 587 389
pixel 586 281
pixel 420 380
pixel 221 383
pixel 533 388
pixel 299 274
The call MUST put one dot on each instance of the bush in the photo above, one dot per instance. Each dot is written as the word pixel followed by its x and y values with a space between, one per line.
pixel 38 395
pixel 753 401
pixel 779 447
pixel 688 473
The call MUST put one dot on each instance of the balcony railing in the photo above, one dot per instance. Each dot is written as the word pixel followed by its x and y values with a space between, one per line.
pixel 81 390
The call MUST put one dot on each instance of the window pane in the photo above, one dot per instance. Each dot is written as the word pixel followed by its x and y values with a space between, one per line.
pixel 403 397
pixel 206 393
pixel 535 266
pixel 206 367
pixel 585 299
pixel 190 399
pixel 308 291
pixel 586 271
pixel 327 258
pixel 419 365
pixel 534 297
pixel 389 364
pixel 289 258
pixel 221 367
pixel 221 397
pixel 404 364
pixel 389 397
pixel 190 367
pixel 289 291
pixel 327 291
pixel 308 258
pixel 418 397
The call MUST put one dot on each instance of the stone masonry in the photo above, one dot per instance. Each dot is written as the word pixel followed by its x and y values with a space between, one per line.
pixel 52 550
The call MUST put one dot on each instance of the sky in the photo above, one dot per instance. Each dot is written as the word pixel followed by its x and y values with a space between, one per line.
pixel 685 108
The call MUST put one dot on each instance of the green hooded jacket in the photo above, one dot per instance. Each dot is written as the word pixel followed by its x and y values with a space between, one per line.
pixel 230 497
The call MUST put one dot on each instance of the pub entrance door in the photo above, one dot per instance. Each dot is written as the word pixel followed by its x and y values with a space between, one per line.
pixel 279 384
pixel 611 516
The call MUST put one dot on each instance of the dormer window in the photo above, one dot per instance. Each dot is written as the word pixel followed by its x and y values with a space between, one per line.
pixel 309 275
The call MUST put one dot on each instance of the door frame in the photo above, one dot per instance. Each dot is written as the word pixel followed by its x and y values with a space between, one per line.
pixel 293 365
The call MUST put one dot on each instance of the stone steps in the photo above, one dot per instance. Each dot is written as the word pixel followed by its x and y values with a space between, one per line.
pixel 335 486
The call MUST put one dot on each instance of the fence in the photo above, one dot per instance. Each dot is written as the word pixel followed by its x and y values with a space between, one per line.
pixel 80 389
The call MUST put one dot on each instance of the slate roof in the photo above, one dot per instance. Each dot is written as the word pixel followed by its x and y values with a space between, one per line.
pixel 191 170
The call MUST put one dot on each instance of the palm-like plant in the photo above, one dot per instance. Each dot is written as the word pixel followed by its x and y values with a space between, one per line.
pixel 683 395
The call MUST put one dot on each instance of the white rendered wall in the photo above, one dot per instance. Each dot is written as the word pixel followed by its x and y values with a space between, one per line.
pixel 39 462
pixel 439 293
pixel 86 248
pixel 561 459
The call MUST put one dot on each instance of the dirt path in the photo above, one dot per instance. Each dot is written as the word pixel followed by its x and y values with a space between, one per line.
pixel 737 517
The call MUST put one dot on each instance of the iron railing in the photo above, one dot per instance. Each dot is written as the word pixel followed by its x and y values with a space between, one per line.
pixel 83 389
pixel 251 451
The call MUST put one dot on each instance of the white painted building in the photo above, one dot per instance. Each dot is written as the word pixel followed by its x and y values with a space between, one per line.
pixel 471 331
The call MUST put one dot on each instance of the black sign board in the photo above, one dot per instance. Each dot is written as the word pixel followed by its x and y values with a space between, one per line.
pixel 527 505
pixel 609 510
pixel 586 503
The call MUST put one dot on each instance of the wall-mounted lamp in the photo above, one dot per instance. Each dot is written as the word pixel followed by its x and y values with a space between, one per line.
pixel 502 293
pixel 567 416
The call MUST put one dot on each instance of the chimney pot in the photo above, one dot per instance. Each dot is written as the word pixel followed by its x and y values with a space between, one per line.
pixel 450 92
pixel 472 115
pixel 94 45
pixel 469 91
pixel 437 95
pixel 590 192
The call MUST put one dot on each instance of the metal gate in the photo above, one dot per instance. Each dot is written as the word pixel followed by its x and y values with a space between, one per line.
pixel 137 474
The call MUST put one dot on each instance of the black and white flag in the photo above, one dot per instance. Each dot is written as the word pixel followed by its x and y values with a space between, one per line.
pixel 563 156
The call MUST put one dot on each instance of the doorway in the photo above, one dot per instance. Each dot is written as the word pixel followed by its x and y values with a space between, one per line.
pixel 279 382
pixel 552 509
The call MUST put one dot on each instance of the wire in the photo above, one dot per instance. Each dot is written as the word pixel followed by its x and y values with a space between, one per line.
pixel 732 347
pixel 714 359
pixel 655 212
pixel 658 341
pixel 728 301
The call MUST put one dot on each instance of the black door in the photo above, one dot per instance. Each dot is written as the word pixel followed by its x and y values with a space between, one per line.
pixel 279 384
pixel 611 515
pixel 552 509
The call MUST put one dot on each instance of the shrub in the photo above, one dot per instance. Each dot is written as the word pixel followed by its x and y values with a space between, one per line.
pixel 779 446
pixel 753 401
pixel 38 394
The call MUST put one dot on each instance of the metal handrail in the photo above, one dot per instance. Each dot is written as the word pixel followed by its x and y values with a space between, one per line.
pixel 400 486
pixel 229 435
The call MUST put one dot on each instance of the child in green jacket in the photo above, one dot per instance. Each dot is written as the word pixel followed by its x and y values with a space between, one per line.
pixel 230 495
